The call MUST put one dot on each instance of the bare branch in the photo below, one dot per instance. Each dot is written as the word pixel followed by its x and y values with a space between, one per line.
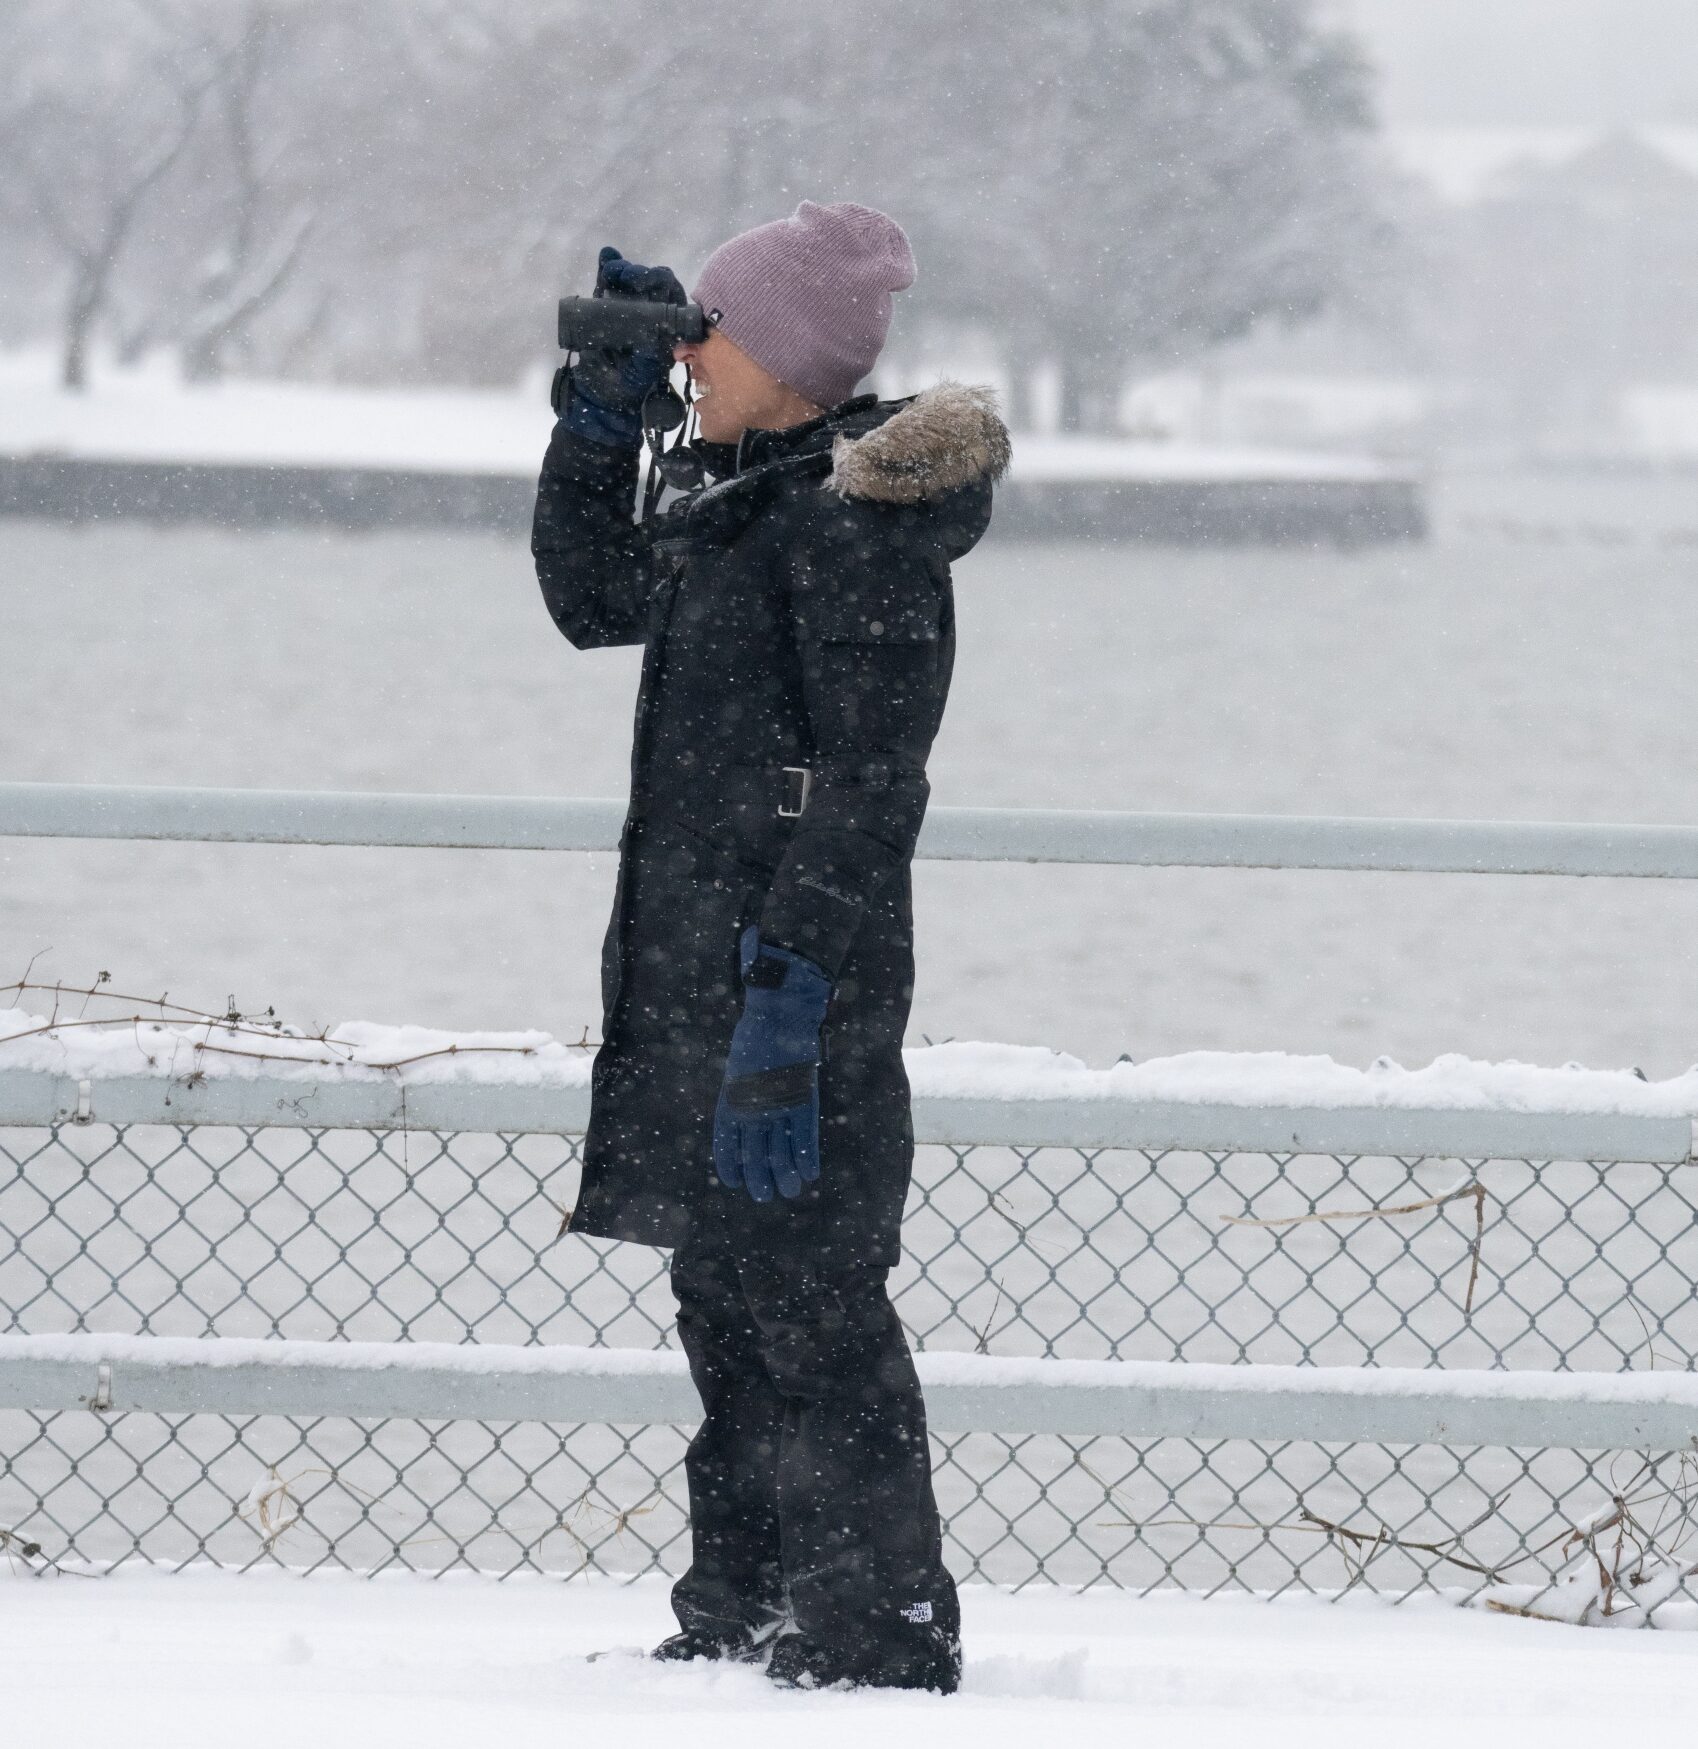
pixel 1472 1188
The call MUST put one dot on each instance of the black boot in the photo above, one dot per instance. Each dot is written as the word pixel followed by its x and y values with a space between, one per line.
pixel 692 1643
pixel 931 1659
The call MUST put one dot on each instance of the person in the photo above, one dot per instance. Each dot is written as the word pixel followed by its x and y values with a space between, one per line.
pixel 749 1106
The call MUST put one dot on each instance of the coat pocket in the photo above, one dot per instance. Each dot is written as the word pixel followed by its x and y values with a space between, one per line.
pixel 727 910
pixel 712 920
pixel 687 958
pixel 690 904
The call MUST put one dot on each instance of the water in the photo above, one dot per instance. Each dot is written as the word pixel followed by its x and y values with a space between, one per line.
pixel 1480 675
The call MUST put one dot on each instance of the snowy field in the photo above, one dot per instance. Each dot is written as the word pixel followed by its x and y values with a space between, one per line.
pixel 269 1661
pixel 1476 676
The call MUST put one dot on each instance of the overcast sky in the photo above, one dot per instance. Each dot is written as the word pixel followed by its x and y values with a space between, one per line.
pixel 1532 62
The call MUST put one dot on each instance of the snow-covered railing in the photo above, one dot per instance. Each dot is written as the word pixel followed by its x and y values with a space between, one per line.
pixel 37 1098
pixel 965 1095
pixel 44 810
pixel 965 1393
pixel 335 1273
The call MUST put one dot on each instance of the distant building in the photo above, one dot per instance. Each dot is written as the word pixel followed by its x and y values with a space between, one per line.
pixel 1547 303
pixel 1465 166
pixel 1573 279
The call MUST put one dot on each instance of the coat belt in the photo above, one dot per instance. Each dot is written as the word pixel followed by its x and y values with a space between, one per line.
pixel 745 810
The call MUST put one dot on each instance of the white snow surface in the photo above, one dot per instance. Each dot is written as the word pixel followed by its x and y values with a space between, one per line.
pixel 364 1051
pixel 147 414
pixel 936 1368
pixel 354 1051
pixel 273 1661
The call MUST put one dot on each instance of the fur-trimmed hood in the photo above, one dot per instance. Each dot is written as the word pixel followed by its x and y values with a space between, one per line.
pixel 931 460
pixel 947 437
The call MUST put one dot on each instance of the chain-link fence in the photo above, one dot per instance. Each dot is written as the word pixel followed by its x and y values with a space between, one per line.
pixel 1117 1254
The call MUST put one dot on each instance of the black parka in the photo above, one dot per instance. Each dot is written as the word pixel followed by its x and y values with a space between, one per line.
pixel 795 616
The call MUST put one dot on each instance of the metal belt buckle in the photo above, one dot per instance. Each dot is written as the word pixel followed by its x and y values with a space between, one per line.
pixel 798 780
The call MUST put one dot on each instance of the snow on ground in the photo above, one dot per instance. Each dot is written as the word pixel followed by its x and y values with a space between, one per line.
pixel 362 1051
pixel 267 1659
pixel 146 414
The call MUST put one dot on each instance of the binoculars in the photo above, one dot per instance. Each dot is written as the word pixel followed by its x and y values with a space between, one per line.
pixel 633 324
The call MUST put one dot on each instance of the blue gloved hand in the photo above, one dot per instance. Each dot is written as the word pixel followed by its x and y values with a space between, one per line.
pixel 603 393
pixel 766 1127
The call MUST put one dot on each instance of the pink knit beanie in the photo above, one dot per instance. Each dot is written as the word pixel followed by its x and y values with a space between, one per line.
pixel 808 297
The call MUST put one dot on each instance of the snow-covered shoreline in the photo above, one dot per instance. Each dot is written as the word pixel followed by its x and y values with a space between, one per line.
pixel 148 415
pixel 364 1052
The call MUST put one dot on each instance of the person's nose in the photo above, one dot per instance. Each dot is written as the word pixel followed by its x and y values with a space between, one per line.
pixel 685 351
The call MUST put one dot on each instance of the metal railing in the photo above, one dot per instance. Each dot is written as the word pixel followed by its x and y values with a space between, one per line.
pixel 1129 1382
pixel 46 810
pixel 1223 1275
pixel 366 1102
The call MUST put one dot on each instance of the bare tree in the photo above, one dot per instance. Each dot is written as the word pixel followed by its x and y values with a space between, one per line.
pixel 1163 176
pixel 394 188
pixel 103 112
pixel 550 136
pixel 261 232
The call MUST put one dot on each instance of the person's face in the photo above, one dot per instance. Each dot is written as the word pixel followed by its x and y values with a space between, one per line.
pixel 733 393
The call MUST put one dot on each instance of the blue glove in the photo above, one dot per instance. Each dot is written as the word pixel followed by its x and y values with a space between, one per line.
pixel 766 1127
pixel 607 387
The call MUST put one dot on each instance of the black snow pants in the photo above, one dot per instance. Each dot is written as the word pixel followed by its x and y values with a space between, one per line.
pixel 810 1477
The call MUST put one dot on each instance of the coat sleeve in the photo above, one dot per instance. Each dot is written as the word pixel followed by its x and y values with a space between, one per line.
pixel 593 559
pixel 868 608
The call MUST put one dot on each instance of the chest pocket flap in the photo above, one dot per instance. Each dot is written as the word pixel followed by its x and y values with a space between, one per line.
pixel 898 605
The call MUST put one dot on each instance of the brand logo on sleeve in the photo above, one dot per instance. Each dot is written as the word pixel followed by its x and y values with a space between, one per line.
pixel 916 1612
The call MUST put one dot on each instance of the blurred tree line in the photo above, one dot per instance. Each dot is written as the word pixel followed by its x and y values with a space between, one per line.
pixel 396 190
